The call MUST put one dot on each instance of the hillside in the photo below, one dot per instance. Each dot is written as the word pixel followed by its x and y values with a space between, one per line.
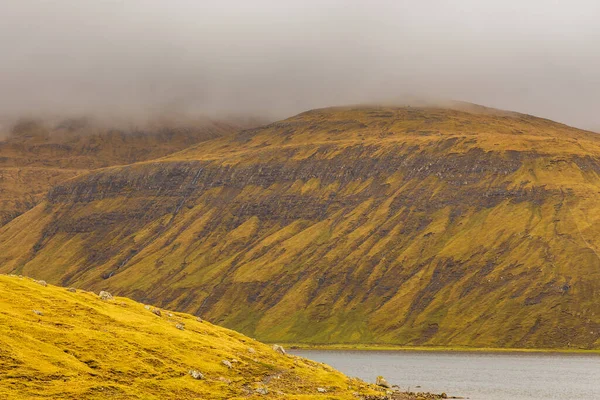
pixel 56 344
pixel 37 154
pixel 399 225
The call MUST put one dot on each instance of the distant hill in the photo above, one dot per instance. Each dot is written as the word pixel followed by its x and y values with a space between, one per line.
pixel 61 345
pixel 36 154
pixel 460 226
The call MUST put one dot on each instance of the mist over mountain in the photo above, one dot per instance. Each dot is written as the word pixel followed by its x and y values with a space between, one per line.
pixel 274 59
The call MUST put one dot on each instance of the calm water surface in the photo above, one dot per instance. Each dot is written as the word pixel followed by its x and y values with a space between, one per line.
pixel 477 376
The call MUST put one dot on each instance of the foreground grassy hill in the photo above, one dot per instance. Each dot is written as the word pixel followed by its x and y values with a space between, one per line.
pixel 56 344
pixel 36 154
pixel 396 225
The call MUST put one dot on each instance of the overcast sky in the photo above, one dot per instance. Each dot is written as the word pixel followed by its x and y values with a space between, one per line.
pixel 279 57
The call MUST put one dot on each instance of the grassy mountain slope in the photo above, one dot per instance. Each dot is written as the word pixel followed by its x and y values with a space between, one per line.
pixel 398 225
pixel 84 347
pixel 35 155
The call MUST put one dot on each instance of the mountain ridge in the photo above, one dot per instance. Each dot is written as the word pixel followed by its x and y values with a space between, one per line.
pixel 392 225
pixel 36 154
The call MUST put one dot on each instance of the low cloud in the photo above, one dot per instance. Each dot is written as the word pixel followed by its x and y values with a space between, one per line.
pixel 135 58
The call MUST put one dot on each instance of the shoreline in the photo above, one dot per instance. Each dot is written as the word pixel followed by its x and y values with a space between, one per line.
pixel 441 349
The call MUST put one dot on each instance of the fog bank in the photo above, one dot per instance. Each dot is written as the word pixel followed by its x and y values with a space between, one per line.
pixel 276 58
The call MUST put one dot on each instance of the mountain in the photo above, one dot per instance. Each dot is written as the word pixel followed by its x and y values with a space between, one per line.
pixel 58 344
pixel 454 226
pixel 37 154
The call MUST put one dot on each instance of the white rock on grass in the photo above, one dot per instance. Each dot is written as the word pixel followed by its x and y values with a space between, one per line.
pixel 227 364
pixel 196 374
pixel 380 381
pixel 279 349
pixel 180 326
pixel 262 390
pixel 43 283
pixel 105 295
pixel 321 390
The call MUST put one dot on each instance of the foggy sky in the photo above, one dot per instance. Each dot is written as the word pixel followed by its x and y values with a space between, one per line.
pixel 279 57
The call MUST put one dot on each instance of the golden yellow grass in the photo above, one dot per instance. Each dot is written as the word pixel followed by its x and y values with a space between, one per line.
pixel 82 347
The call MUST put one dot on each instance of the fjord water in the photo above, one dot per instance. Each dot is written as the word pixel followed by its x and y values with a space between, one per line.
pixel 477 376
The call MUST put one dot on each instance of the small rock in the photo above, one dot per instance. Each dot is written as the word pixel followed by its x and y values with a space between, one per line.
pixel 180 326
pixel 169 314
pixel 199 319
pixel 251 350
pixel 261 390
pixel 279 349
pixel 227 364
pixel 156 311
pixel 43 283
pixel 196 374
pixel 380 381
pixel 444 396
pixel 234 361
pixel 105 295
pixel 72 290
pixel 321 390
pixel 147 307
pixel 38 312
pixel 225 380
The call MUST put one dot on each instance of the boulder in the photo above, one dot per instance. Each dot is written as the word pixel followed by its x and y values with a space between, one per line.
pixel 262 390
pixel 72 290
pixel 156 311
pixel 321 390
pixel 180 326
pixel 251 350
pixel 227 364
pixel 43 283
pixel 38 312
pixel 279 349
pixel 380 381
pixel 196 374
pixel 105 295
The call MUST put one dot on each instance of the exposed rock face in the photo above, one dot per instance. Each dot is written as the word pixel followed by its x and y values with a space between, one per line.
pixel 37 155
pixel 347 225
